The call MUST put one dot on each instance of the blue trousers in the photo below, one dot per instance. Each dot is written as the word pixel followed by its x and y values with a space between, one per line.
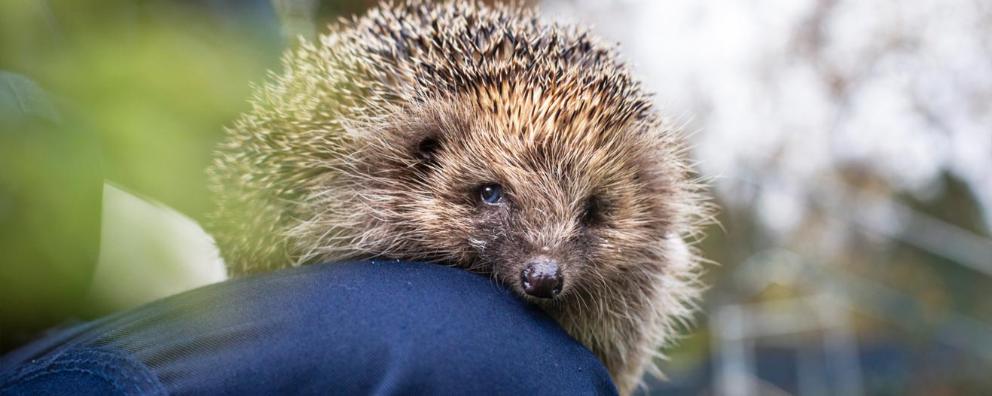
pixel 349 328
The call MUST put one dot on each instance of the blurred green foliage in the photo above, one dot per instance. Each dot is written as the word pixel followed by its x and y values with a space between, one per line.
pixel 155 80
pixel 50 195
pixel 136 92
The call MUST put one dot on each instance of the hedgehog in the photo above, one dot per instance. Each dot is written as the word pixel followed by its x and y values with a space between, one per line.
pixel 480 137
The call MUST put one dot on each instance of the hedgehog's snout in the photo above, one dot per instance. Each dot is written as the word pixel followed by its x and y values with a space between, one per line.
pixel 542 278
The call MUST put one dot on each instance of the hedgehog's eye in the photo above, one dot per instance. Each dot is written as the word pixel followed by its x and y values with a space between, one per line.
pixel 427 149
pixel 491 194
pixel 593 211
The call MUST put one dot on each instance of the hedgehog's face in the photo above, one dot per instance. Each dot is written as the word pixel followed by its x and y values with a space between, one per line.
pixel 545 207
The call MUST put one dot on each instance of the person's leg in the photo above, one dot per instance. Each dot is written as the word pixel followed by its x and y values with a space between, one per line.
pixel 350 328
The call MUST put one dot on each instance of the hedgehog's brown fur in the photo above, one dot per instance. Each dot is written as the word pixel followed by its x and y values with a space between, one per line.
pixel 374 140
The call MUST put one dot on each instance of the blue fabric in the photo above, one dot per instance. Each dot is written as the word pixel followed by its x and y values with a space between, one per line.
pixel 348 328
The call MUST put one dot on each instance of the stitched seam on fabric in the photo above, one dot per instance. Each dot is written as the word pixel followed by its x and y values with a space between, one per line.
pixel 110 363
pixel 53 367
pixel 33 366
pixel 105 378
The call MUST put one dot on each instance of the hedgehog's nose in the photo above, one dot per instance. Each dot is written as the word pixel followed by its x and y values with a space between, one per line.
pixel 542 278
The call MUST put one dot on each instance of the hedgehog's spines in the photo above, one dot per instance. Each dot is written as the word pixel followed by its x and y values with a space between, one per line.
pixel 320 167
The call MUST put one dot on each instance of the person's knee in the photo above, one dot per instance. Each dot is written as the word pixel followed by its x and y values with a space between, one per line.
pixel 441 328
